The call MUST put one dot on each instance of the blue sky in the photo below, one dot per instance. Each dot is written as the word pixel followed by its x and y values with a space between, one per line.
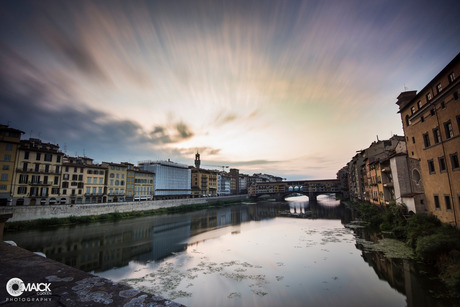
pixel 292 88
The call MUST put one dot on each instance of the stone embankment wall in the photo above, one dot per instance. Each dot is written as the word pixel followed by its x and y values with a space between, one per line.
pixel 29 213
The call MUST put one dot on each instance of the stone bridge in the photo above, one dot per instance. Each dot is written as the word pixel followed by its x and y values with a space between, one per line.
pixel 280 190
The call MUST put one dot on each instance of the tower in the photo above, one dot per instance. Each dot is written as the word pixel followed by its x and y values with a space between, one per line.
pixel 197 160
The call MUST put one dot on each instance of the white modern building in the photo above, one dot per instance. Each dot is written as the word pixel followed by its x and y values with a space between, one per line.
pixel 223 184
pixel 170 178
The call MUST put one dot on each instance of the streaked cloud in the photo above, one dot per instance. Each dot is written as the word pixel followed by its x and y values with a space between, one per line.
pixel 294 87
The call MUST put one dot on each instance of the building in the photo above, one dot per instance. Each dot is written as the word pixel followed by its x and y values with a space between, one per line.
pixel 9 143
pixel 37 175
pixel 72 181
pixel 234 181
pixel 171 179
pixel 223 183
pixel 203 182
pixel 143 184
pixel 116 181
pixel 94 179
pixel 130 181
pixel 431 124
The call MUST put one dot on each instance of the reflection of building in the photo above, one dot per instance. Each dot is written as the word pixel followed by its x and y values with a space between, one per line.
pixel 170 178
pixel 9 142
pixel 37 173
pixel 431 123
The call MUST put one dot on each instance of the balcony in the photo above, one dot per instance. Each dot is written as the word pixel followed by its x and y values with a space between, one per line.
pixel 40 183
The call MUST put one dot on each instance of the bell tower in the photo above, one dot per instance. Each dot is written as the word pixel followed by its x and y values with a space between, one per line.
pixel 197 160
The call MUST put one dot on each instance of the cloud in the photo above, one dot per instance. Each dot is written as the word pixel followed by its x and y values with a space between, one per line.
pixel 184 131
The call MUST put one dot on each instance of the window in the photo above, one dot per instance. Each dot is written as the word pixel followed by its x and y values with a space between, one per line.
pixel 3 187
pixel 57 169
pixel 101 180
pixel 442 164
pixel 5 167
pixel 94 190
pixel 431 167
pixel 88 180
pixel 65 176
pixel 428 96
pixel 436 202
pixel 4 177
pixel 112 175
pixel 448 129
pixel 432 112
pixel 58 159
pixel 55 191
pixel 74 177
pixel 454 161
pixel 451 77
pixel 26 155
pixel 439 87
pixel 407 123
pixel 48 157
pixel 24 166
pixel 412 110
pixel 56 180
pixel 455 95
pixel 22 190
pixel 419 104
pixel 37 167
pixel 65 184
pixel 35 179
pixel 443 105
pixel 447 201
pixel 45 179
pixel 458 122
pixel 23 178
pixel 7 158
pixel 9 147
pixel 88 190
pixel 38 157
pixel 436 135
pixel 47 168
pixel 80 177
pixel 422 119
pixel 89 171
pixel 426 140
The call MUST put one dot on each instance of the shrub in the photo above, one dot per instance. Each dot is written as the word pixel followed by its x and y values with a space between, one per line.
pixel 421 225
pixel 431 247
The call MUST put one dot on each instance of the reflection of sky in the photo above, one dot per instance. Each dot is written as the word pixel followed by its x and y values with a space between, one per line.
pixel 300 261
pixel 288 87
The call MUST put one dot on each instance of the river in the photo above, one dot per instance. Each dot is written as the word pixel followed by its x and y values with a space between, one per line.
pixel 256 254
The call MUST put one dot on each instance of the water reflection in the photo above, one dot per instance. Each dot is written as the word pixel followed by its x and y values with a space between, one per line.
pixel 294 251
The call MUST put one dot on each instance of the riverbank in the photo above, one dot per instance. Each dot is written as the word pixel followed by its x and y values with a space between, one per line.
pixel 433 242
pixel 30 213
pixel 179 207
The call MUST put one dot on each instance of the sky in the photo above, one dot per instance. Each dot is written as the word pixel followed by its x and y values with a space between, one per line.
pixel 289 88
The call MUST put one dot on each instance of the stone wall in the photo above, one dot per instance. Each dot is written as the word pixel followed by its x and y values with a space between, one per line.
pixel 28 213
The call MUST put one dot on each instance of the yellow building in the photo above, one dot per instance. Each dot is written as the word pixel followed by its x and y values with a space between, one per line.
pixel 94 182
pixel 116 181
pixel 37 175
pixel 130 181
pixel 9 142
pixel 143 184
pixel 431 123
pixel 204 182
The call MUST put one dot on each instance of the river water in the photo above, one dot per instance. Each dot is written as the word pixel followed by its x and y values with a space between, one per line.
pixel 256 254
